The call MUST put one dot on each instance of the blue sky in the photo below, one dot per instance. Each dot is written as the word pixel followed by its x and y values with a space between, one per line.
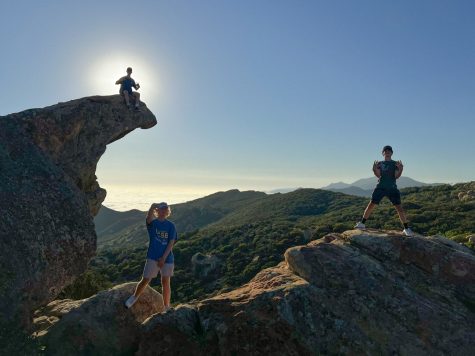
pixel 256 94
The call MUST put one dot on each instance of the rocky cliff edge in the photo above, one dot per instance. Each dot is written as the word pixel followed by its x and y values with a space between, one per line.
pixel 49 194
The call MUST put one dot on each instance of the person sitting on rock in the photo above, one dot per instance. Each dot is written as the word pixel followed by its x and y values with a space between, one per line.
pixel 163 235
pixel 387 171
pixel 126 85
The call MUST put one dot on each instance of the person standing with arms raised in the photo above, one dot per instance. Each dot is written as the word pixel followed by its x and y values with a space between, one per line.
pixel 387 172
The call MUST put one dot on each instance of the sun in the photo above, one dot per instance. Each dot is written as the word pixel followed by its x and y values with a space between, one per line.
pixel 105 72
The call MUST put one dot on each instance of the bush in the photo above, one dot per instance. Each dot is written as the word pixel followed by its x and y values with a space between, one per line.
pixel 86 285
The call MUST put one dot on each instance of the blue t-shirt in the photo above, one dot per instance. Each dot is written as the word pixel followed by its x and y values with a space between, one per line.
pixel 160 234
pixel 127 84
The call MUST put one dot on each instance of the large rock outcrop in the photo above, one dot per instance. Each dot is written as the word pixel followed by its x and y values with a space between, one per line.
pixel 356 293
pixel 49 194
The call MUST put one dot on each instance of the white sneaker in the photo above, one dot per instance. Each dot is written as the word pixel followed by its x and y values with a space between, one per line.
pixel 360 225
pixel 408 232
pixel 131 301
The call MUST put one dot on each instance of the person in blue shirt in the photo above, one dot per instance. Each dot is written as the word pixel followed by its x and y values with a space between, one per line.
pixel 126 85
pixel 163 235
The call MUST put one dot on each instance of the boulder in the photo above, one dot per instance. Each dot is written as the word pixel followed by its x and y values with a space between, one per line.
pixel 49 195
pixel 256 319
pixel 205 267
pixel 99 325
pixel 467 192
pixel 50 314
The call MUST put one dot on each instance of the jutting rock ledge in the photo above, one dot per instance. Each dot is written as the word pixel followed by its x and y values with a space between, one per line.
pixel 49 195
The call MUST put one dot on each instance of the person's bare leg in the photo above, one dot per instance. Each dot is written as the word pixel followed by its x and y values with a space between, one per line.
pixel 126 97
pixel 166 291
pixel 141 286
pixel 369 210
pixel 137 99
pixel 402 215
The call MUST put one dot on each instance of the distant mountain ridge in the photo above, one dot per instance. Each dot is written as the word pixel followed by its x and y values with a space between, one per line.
pixel 364 187
pixel 370 183
pixel 361 187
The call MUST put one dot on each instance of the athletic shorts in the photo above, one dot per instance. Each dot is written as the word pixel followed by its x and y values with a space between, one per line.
pixel 392 193
pixel 151 269
pixel 128 91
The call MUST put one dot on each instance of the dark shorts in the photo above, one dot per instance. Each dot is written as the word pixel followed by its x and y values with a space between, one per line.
pixel 392 193
pixel 129 91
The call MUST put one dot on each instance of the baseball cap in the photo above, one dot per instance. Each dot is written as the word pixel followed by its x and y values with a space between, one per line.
pixel 162 205
pixel 387 148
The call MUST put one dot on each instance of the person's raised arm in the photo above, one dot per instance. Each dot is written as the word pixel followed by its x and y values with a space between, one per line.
pixel 119 81
pixel 151 213
pixel 399 168
pixel 376 169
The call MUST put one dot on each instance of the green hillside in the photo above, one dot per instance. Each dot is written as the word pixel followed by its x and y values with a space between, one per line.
pixel 110 222
pixel 254 235
pixel 127 229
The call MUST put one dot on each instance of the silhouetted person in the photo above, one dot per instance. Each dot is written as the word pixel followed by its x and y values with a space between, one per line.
pixel 126 85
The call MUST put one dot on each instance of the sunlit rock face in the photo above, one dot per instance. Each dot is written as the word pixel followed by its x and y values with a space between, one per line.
pixel 49 194
pixel 356 293
pixel 360 292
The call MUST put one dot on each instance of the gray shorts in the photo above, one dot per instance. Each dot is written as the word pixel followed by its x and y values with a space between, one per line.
pixel 151 269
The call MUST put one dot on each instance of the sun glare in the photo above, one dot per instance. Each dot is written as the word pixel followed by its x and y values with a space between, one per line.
pixel 107 70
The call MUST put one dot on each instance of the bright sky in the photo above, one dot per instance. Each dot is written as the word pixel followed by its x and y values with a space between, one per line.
pixel 256 94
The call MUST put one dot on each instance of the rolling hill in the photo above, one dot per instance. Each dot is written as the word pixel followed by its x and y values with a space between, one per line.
pixel 115 228
pixel 230 243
